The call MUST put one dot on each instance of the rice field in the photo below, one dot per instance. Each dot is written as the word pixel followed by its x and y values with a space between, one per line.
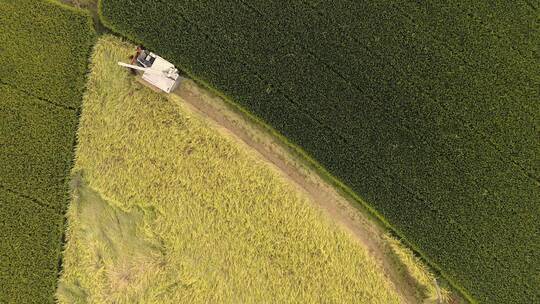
pixel 44 49
pixel 426 111
pixel 167 209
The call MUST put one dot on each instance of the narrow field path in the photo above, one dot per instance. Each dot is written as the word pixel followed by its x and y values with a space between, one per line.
pixel 322 194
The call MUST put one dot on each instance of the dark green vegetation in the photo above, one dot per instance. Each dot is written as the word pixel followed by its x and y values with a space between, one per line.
pixel 430 112
pixel 37 148
pixel 43 57
pixel 41 42
pixel 29 250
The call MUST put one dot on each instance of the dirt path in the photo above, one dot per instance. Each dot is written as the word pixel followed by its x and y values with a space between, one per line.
pixel 324 195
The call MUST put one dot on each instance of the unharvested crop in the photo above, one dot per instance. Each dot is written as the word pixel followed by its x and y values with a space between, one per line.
pixel 427 110
pixel 29 250
pixel 43 56
pixel 167 209
pixel 43 49
pixel 37 146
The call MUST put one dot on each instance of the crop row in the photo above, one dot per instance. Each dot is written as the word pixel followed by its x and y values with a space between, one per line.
pixel 44 48
pixel 514 30
pixel 444 187
pixel 430 69
pixel 29 250
pixel 48 62
pixel 357 63
pixel 37 146
pixel 478 78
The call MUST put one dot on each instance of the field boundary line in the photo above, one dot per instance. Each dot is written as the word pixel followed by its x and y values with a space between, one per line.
pixel 65 107
pixel 30 198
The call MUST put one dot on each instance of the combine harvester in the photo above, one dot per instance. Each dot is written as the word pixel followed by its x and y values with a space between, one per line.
pixel 155 70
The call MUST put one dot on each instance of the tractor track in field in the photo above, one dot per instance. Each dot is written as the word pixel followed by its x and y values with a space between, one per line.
pixel 321 193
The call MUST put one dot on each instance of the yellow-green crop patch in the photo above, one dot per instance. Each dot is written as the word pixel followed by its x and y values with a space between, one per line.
pixel 44 48
pixel 171 210
pixel 29 250
pixel 37 146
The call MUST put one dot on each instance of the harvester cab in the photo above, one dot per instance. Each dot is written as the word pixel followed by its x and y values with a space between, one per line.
pixel 155 70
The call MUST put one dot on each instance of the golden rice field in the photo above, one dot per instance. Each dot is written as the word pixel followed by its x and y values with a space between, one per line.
pixel 167 209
